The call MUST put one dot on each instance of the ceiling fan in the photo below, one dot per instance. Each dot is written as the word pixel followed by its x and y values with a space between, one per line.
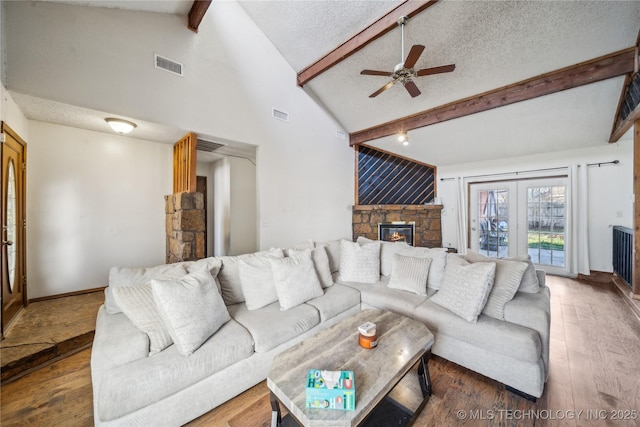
pixel 404 72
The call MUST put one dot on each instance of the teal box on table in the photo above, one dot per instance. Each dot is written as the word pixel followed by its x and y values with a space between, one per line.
pixel 331 389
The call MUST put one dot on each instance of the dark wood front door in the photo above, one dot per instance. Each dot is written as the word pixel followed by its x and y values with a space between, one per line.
pixel 14 157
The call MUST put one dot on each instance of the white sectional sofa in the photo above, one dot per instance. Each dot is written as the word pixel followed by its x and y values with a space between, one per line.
pixel 140 378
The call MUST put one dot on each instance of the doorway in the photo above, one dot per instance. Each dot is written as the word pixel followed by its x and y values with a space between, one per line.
pixel 523 217
pixel 12 205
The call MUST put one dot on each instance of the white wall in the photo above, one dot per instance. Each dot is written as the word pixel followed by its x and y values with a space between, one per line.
pixel 243 215
pixel 233 78
pixel 11 114
pixel 610 191
pixel 221 217
pixel 94 200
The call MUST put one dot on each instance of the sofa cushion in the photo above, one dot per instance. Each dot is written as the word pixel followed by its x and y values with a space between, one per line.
pixel 410 274
pixel 229 277
pixel 270 326
pixel 191 308
pixel 142 382
pixel 336 300
pixel 379 295
pixel 132 276
pixel 296 279
pixel 465 289
pixel 488 333
pixel 508 277
pixel 387 250
pixel 436 271
pixel 320 263
pixel 359 263
pixel 136 302
pixel 256 279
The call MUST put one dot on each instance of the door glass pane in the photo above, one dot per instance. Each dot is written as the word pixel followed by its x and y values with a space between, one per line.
pixel 546 225
pixel 493 222
pixel 11 225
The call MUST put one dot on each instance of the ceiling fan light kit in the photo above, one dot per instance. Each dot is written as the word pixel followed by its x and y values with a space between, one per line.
pixel 404 72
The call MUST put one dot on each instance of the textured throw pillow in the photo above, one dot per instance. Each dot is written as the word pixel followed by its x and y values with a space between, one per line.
pixel 333 252
pixel 296 279
pixel 191 309
pixel 410 274
pixel 465 289
pixel 508 277
pixel 306 244
pixel 529 283
pixel 359 263
pixel 321 264
pixel 256 279
pixel 132 276
pixel 436 271
pixel 136 302
pixel 387 251
pixel 229 277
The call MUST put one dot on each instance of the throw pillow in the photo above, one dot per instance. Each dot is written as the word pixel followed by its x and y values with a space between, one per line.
pixel 508 277
pixel 465 289
pixel 305 244
pixel 359 263
pixel 529 283
pixel 256 280
pixel 333 252
pixel 436 271
pixel 191 309
pixel 229 276
pixel 321 264
pixel 296 279
pixel 132 276
pixel 410 274
pixel 387 250
pixel 136 302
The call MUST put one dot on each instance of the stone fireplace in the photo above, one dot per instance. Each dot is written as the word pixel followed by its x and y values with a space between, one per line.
pixel 426 219
pixel 185 227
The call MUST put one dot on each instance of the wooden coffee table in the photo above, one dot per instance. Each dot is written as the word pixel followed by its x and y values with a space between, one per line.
pixel 402 343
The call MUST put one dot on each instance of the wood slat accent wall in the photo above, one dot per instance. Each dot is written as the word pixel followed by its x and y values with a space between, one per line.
pixel 387 179
pixel 184 164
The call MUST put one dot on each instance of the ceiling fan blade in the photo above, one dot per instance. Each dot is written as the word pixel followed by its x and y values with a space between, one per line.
pixel 412 88
pixel 436 70
pixel 383 88
pixel 414 54
pixel 375 73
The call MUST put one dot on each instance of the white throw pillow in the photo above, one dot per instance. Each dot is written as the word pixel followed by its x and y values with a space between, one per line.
pixel 333 252
pixel 465 289
pixel 138 305
pixel 296 279
pixel 132 276
pixel 256 279
pixel 191 309
pixel 321 264
pixel 436 271
pixel 305 244
pixel 410 274
pixel 229 276
pixel 387 250
pixel 529 283
pixel 359 263
pixel 508 277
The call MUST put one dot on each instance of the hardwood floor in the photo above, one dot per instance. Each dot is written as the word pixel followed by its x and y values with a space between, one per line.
pixel 595 368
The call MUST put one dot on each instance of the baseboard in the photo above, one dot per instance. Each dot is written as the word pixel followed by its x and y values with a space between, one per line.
pixel 596 277
pixel 627 295
pixel 68 294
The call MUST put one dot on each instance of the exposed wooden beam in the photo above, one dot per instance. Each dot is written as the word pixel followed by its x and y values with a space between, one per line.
pixel 382 26
pixel 625 125
pixel 198 9
pixel 598 69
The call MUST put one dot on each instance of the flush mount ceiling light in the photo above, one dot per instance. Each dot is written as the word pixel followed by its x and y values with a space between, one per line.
pixel 403 138
pixel 120 126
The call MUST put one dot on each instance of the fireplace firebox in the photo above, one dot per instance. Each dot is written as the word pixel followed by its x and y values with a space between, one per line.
pixel 397 231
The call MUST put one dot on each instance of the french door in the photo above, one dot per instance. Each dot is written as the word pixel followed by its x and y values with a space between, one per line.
pixel 511 218
pixel 13 225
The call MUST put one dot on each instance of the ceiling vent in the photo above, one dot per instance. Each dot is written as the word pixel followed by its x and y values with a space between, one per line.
pixel 208 146
pixel 168 65
pixel 280 115
pixel 340 134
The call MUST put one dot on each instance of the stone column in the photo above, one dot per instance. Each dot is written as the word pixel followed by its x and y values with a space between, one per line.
pixel 185 227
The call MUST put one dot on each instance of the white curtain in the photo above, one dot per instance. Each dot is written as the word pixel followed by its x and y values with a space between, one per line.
pixel 578 216
pixel 461 206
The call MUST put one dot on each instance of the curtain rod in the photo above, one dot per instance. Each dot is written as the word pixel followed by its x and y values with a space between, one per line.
pixel 613 162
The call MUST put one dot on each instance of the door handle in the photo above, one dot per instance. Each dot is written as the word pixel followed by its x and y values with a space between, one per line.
pixel 7 242
pixel 473 229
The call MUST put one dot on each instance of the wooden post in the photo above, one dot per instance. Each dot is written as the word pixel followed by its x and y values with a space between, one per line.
pixel 635 285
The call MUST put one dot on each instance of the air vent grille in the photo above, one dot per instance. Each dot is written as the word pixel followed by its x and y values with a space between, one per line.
pixel 341 135
pixel 208 145
pixel 168 65
pixel 280 115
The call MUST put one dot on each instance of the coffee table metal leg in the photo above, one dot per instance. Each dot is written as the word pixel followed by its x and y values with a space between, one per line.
pixel 423 374
pixel 276 417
